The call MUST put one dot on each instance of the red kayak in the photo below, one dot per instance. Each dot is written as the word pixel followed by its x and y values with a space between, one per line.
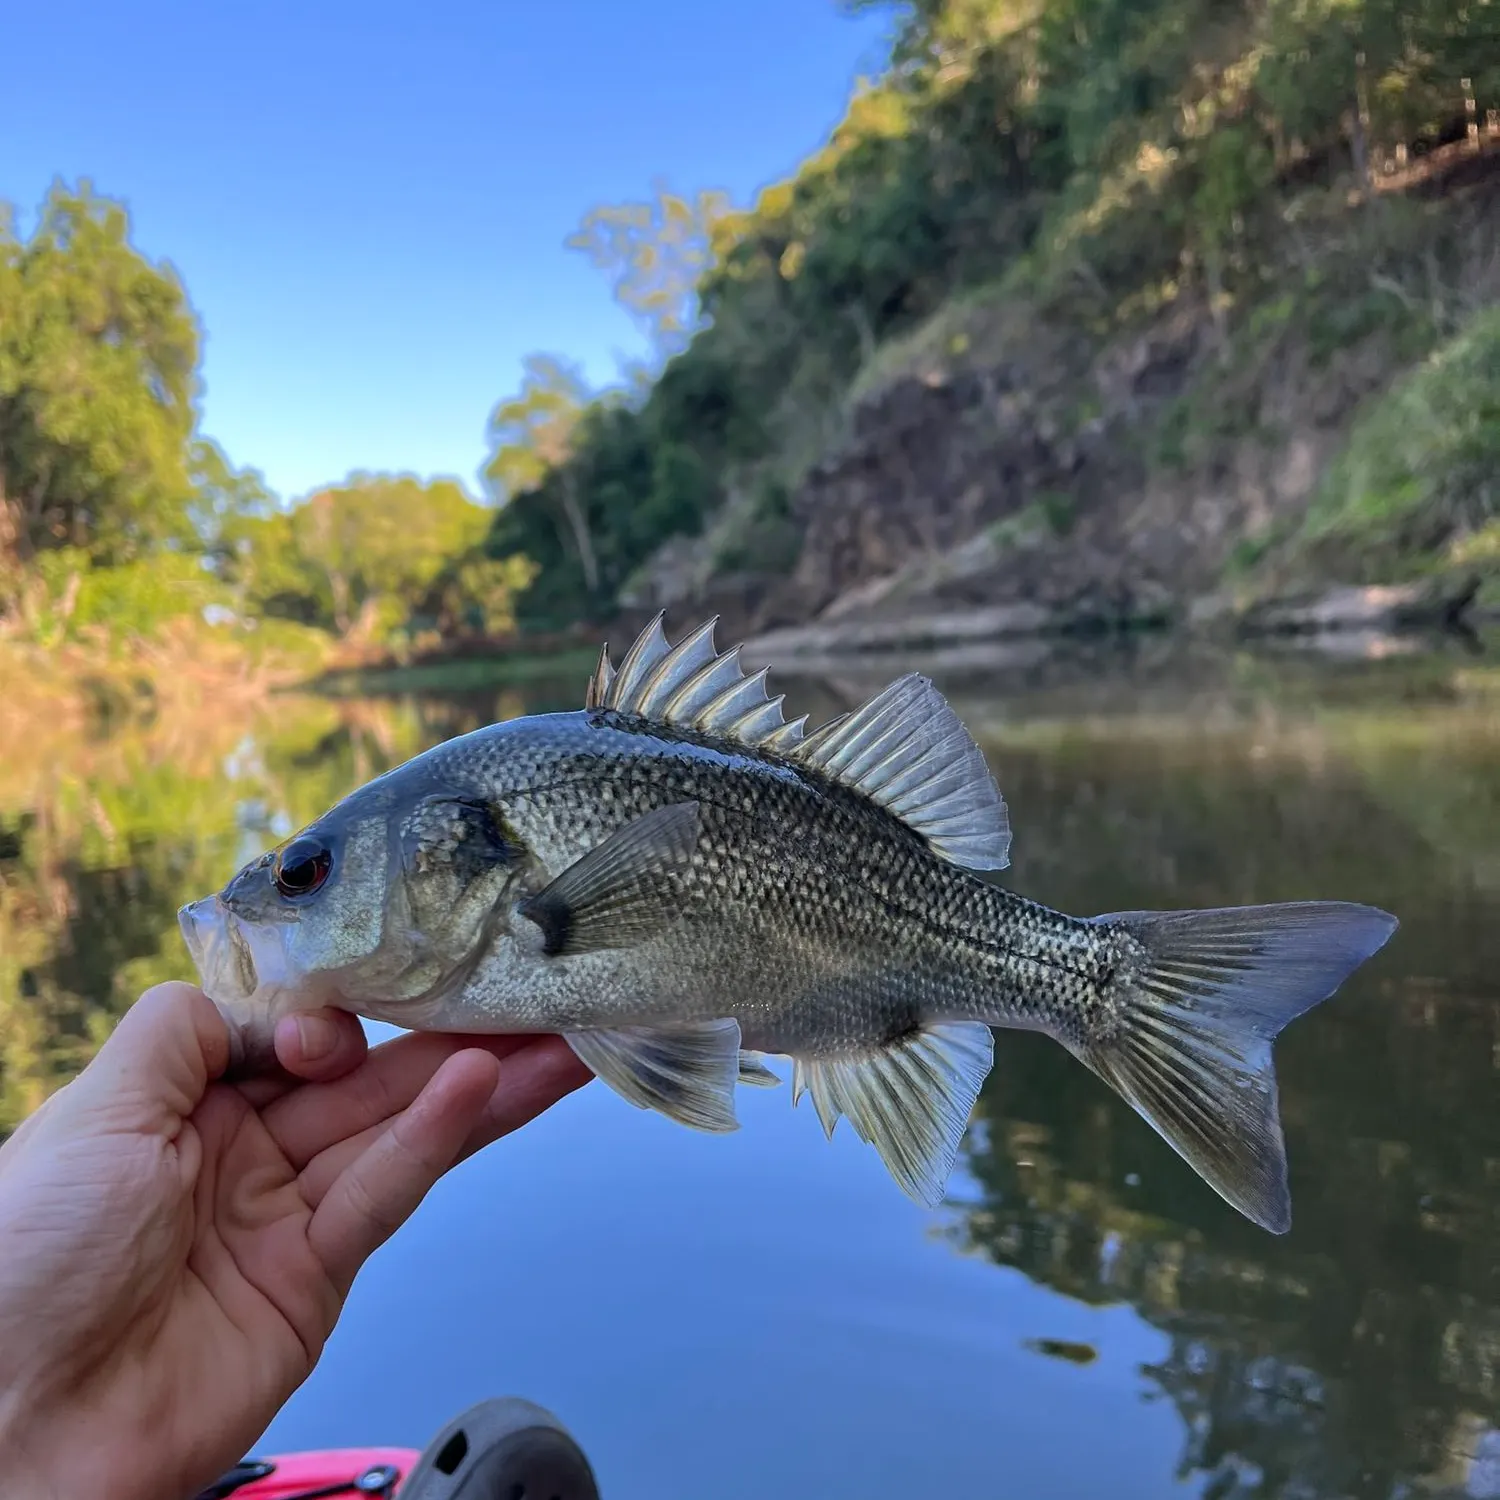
pixel 497 1450
pixel 286 1476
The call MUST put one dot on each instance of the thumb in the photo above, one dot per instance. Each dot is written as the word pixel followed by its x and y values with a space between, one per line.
pixel 157 1064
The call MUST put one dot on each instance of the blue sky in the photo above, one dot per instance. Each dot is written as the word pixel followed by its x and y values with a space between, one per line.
pixel 368 201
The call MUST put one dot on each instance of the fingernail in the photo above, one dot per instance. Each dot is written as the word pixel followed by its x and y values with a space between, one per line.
pixel 317 1036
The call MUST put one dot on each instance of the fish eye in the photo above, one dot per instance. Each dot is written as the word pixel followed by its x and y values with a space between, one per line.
pixel 302 867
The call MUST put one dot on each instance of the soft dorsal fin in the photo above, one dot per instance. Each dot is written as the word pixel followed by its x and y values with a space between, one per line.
pixel 905 749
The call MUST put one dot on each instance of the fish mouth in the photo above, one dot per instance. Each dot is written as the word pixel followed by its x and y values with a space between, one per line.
pixel 216 941
pixel 200 928
pixel 244 971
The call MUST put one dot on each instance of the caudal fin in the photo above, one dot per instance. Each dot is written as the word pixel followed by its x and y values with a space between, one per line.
pixel 1188 1033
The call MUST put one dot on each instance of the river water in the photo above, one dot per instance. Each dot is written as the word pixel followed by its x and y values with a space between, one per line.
pixel 766 1314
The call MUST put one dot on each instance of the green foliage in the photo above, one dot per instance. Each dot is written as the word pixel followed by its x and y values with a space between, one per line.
pixel 474 594
pixel 655 254
pixel 224 498
pixel 626 480
pixel 1079 163
pixel 532 432
pixel 98 357
pixel 1419 481
pixel 119 519
pixel 116 514
pixel 1235 168
pixel 1099 157
pixel 137 598
pixel 1376 70
pixel 378 558
pixel 759 536
pixel 67 597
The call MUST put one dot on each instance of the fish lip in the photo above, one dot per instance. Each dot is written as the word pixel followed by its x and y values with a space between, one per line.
pixel 242 972
pixel 204 925
pixel 217 943
pixel 188 924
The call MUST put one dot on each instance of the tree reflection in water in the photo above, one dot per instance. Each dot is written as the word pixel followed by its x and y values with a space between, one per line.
pixel 1360 1354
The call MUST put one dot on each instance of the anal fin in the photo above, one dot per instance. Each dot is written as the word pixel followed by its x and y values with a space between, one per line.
pixel 687 1073
pixel 911 1100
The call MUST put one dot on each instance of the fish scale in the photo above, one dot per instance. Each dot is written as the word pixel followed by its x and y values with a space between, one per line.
pixel 800 862
pixel 678 880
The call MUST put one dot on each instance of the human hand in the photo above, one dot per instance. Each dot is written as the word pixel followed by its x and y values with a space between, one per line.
pixel 175 1250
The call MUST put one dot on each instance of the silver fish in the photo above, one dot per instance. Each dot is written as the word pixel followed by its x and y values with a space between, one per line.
pixel 681 882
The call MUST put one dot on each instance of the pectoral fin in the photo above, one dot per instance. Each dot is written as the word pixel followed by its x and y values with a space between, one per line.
pixel 688 1073
pixel 619 894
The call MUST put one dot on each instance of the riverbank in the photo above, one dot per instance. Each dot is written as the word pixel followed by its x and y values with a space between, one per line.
pixel 191 690
pixel 1314 460
pixel 510 664
pixel 1335 437
pixel 1336 621
pixel 1343 623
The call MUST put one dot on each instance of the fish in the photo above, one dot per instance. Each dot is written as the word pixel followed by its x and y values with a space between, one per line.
pixel 684 883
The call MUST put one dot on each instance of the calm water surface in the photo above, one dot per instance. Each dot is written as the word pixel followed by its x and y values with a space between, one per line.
pixel 766 1314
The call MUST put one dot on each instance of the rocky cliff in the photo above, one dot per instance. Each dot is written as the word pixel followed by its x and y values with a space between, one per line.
pixel 1005 457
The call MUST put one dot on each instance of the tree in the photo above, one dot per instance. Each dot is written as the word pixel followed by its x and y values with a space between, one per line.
pixel 1078 160
pixel 371 556
pixel 98 358
pixel 224 498
pixel 532 437
pixel 656 254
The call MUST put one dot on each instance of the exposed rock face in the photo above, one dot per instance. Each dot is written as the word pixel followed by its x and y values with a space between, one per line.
pixel 1001 464
pixel 1029 483
pixel 917 477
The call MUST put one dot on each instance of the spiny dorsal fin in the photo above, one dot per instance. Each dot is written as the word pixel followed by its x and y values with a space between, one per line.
pixel 694 686
pixel 604 674
pixel 905 749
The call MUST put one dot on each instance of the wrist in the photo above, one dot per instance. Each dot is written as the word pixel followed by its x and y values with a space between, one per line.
pixel 24 1470
pixel 88 1442
pixel 48 1454
pixel 53 1448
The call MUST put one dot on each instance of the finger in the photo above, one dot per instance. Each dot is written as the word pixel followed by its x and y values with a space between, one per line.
pixel 310 1046
pixel 320 1045
pixel 378 1191
pixel 312 1118
pixel 532 1079
pixel 156 1065
pixel 544 1073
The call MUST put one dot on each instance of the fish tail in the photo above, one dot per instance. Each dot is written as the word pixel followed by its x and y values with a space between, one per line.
pixel 1184 1029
